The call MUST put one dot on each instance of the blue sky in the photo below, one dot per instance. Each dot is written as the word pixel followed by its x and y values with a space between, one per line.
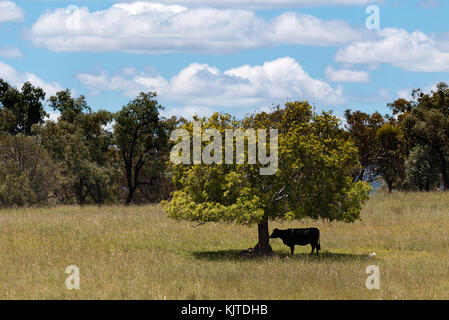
pixel 226 55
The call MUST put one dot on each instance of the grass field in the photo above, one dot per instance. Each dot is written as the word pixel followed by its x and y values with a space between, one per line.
pixel 138 253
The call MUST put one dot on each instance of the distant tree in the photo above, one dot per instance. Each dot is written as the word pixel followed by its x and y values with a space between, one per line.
pixel 422 168
pixel 104 161
pixel 22 108
pixel 83 147
pixel 381 146
pixel 70 108
pixel 391 155
pixel 142 139
pixel 400 108
pixel 7 121
pixel 362 128
pixel 27 174
pixel 426 123
pixel 157 172
pixel 313 178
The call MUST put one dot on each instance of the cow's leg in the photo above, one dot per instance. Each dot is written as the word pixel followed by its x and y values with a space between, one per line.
pixel 292 249
pixel 313 247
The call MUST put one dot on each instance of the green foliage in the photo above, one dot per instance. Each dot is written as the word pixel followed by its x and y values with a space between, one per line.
pixel 83 147
pixel 316 163
pixel 427 124
pixel 313 179
pixel 422 168
pixel 381 147
pixel 7 121
pixel 19 110
pixel 141 137
pixel 27 174
pixel 391 156
pixel 69 108
pixel 362 128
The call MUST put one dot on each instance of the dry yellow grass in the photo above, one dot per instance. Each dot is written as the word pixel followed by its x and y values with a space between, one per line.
pixel 138 253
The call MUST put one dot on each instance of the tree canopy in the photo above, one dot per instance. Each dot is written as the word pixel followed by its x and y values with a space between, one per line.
pixel 426 123
pixel 142 139
pixel 313 177
pixel 20 109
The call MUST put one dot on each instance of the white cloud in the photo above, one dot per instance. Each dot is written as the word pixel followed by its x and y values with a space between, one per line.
pixel 144 27
pixel 295 28
pixel 9 11
pixel 414 51
pixel 52 116
pixel 188 112
pixel 201 85
pixel 17 78
pixel 129 83
pixel 10 52
pixel 345 75
pixel 405 94
pixel 267 4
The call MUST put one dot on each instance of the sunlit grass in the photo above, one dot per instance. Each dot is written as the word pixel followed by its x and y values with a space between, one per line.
pixel 138 253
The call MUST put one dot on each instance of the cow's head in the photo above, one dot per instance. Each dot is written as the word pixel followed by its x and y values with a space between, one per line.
pixel 275 233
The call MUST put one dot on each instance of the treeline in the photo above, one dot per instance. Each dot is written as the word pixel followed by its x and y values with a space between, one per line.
pixel 84 157
pixel 87 157
pixel 409 149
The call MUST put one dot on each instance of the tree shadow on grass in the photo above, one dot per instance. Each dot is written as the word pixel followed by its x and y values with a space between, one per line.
pixel 236 255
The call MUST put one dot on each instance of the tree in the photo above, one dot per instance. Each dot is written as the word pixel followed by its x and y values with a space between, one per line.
pixel 142 139
pixel 362 128
pixel 83 147
pixel 426 123
pixel 27 174
pixel 69 108
pixel 23 108
pixel 391 155
pixel 422 168
pixel 7 121
pixel 313 178
pixel 381 147
pixel 156 172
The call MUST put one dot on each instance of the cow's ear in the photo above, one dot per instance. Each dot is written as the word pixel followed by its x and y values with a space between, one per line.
pixel 275 229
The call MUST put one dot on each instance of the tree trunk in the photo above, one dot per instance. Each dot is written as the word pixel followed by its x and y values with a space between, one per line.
pixel 444 171
pixel 361 174
pixel 389 183
pixel 79 192
pixel 130 197
pixel 263 247
pixel 390 187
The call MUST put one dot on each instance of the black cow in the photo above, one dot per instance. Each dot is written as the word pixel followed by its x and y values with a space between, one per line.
pixel 302 237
